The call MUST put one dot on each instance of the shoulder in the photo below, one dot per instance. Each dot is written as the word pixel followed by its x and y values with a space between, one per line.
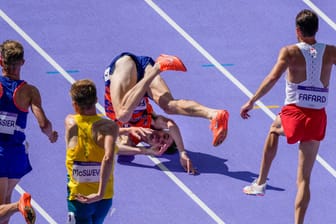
pixel 289 49
pixel 289 53
pixel 70 121
pixel 331 48
pixel 30 89
pixel 330 53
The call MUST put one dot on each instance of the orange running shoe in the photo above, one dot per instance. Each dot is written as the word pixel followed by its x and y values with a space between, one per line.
pixel 26 209
pixel 169 62
pixel 219 127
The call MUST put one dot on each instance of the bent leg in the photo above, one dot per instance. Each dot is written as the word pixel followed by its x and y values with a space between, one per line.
pixel 3 190
pixel 11 185
pixel 7 210
pixel 161 94
pixel 270 149
pixel 126 91
pixel 307 156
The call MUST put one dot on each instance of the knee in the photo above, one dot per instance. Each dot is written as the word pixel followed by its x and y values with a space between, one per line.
pixel 169 107
pixel 274 129
pixel 303 182
pixel 168 110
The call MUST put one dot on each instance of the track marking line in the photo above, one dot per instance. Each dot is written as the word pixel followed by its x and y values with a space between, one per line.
pixel 204 53
pixel 320 13
pixel 37 207
pixel 332 24
pixel 269 106
pixel 10 22
pixel 187 190
pixel 223 64
pixel 71 80
pixel 225 72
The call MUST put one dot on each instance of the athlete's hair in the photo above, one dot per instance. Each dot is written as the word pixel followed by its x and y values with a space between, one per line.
pixel 307 21
pixel 84 93
pixel 11 52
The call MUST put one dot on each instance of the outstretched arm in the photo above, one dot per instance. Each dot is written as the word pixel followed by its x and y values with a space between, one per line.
pixel 267 84
pixel 125 149
pixel 162 122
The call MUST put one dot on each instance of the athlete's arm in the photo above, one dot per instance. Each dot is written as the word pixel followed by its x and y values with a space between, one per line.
pixel 70 131
pixel 129 150
pixel 43 122
pixel 267 84
pixel 108 133
pixel 137 132
pixel 161 122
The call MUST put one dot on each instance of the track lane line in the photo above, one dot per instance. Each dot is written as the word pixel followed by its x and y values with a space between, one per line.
pixel 329 21
pixel 192 42
pixel 37 207
pixel 10 22
pixel 71 80
pixel 187 190
pixel 226 73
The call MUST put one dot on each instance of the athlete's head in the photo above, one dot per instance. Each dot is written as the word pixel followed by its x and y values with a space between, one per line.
pixel 84 94
pixel 307 22
pixel 11 55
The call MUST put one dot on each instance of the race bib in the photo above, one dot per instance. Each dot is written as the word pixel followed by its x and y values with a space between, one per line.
pixel 7 122
pixel 312 97
pixel 86 172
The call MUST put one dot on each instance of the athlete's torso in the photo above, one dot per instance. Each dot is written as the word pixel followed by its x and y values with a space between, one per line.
pixel 13 120
pixel 310 93
pixel 83 161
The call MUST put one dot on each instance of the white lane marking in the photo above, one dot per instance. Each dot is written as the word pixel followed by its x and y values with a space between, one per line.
pixel 37 207
pixel 187 190
pixel 320 13
pixel 225 72
pixel 45 55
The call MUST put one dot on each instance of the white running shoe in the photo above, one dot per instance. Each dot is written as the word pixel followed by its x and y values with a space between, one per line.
pixel 255 189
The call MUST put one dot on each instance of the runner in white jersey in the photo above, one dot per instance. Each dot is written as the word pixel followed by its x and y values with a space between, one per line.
pixel 303 118
pixel 310 93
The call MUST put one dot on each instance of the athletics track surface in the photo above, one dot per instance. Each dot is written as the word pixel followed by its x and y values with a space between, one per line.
pixel 228 48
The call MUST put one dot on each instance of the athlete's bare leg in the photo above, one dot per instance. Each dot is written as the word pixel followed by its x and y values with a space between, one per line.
pixel 307 156
pixel 270 150
pixel 6 189
pixel 7 210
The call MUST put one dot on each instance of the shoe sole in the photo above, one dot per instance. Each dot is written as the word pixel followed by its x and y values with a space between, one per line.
pixel 30 215
pixel 252 194
pixel 222 133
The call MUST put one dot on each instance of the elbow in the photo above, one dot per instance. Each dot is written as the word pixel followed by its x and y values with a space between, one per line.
pixel 123 115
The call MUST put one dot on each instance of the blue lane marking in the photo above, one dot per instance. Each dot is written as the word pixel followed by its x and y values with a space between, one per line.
pixel 212 65
pixel 57 72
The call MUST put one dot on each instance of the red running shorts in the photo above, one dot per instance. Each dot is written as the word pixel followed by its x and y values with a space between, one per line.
pixel 303 124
